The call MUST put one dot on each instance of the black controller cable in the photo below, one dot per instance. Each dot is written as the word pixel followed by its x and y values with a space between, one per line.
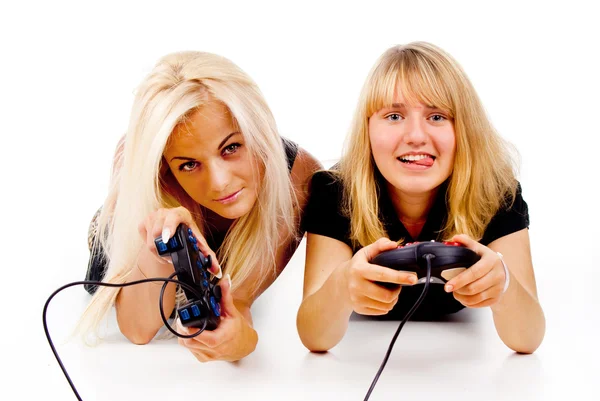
pixel 428 257
pixel 162 312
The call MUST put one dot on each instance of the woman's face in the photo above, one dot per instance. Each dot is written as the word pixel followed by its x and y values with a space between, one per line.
pixel 413 146
pixel 209 158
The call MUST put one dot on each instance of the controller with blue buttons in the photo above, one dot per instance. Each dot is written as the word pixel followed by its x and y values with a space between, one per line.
pixel 191 267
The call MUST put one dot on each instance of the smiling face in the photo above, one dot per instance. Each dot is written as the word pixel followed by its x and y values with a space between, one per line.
pixel 413 146
pixel 211 162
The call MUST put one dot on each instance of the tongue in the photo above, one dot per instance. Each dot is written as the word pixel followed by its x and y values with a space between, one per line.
pixel 428 161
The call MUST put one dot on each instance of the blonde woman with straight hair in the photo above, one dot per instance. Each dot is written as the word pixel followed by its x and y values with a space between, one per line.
pixel 422 163
pixel 202 148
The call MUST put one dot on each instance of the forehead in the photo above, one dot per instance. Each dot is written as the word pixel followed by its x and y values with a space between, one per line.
pixel 206 125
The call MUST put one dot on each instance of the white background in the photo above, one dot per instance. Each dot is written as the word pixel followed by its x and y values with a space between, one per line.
pixel 67 74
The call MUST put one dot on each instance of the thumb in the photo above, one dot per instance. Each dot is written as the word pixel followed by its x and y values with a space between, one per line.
pixel 227 306
pixel 381 245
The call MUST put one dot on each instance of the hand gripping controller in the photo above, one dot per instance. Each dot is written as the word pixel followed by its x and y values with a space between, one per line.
pixel 448 256
pixel 191 267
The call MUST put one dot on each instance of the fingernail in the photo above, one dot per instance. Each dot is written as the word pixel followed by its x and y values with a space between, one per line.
pixel 413 279
pixel 166 235
pixel 449 288
pixel 219 273
pixel 228 278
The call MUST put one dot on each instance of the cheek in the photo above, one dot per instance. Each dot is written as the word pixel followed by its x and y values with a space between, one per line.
pixel 446 144
pixel 382 140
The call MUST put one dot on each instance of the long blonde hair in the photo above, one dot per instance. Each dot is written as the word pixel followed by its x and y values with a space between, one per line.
pixel 483 177
pixel 178 85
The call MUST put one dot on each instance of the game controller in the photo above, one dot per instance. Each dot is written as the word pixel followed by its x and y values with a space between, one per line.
pixel 450 258
pixel 192 267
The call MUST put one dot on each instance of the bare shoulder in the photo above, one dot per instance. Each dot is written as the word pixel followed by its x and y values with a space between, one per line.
pixel 304 167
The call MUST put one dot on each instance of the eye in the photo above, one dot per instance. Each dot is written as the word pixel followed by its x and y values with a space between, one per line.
pixel 231 149
pixel 438 118
pixel 187 167
pixel 393 117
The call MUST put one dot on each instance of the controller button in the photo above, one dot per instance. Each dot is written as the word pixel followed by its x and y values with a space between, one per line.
pixel 185 315
pixel 451 243
pixel 204 274
pixel 215 306
pixel 204 283
pixel 193 240
pixel 195 310
pixel 161 246
pixel 190 232
pixel 173 242
pixel 195 247
pixel 198 264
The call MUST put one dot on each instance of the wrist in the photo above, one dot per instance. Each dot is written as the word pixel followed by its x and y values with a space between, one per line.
pixel 340 284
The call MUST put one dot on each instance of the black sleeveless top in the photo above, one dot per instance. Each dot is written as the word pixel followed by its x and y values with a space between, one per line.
pixel 97 263
pixel 324 216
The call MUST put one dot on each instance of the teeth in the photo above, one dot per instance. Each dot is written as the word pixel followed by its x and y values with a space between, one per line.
pixel 413 158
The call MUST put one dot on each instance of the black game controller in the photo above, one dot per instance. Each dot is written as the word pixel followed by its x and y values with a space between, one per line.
pixel 191 267
pixel 411 257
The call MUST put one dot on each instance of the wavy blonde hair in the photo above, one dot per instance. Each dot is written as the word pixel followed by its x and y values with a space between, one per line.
pixel 179 84
pixel 484 174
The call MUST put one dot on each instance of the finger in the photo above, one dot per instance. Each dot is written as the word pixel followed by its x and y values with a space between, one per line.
pixel 370 311
pixel 472 300
pixel 153 225
pixel 379 293
pixel 204 341
pixel 202 357
pixel 469 243
pixel 491 279
pixel 387 275
pixel 205 355
pixel 212 339
pixel 473 273
pixel 381 245
pixel 367 302
pixel 227 305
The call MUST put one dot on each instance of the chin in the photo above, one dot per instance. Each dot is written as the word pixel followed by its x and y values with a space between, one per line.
pixel 412 185
pixel 234 211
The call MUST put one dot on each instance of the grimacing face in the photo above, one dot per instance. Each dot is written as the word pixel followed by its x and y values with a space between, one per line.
pixel 413 147
pixel 209 159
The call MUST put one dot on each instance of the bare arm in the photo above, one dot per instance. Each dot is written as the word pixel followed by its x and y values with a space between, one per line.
pixel 336 283
pixel 323 316
pixel 138 314
pixel 518 315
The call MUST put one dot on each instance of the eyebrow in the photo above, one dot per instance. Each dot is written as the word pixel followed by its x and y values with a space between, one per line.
pixel 223 142
pixel 402 105
pixel 226 139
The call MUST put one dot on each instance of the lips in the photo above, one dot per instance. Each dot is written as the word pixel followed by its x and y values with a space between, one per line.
pixel 229 197
pixel 417 159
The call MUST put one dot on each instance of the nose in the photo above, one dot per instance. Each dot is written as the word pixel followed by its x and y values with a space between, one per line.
pixel 415 132
pixel 218 177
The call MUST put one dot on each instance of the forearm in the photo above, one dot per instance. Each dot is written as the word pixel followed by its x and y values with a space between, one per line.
pixel 519 319
pixel 323 316
pixel 138 313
